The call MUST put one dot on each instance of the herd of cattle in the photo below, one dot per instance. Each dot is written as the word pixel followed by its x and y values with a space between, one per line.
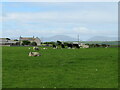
pixel 73 46
pixel 69 46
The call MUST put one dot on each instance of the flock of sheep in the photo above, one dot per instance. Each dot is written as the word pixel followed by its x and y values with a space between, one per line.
pixel 35 53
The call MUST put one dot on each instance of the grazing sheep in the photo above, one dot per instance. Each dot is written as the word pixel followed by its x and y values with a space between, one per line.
pixel 35 48
pixel 69 48
pixel 34 54
pixel 44 48
pixel 106 47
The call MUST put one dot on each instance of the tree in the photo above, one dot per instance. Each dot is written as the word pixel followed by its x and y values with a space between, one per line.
pixel 15 40
pixel 25 42
pixel 8 38
pixel 49 43
pixel 34 44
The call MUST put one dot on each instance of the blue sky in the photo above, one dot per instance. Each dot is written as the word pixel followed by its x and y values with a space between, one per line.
pixel 40 19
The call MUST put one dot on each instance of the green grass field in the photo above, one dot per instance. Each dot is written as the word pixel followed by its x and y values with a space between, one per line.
pixel 60 68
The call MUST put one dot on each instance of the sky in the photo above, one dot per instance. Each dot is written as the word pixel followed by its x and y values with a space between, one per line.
pixel 46 19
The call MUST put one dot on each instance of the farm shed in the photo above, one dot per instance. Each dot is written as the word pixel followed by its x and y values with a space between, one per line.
pixel 7 41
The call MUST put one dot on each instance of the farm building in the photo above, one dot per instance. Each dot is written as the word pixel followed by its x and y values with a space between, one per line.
pixel 79 43
pixel 8 42
pixel 31 39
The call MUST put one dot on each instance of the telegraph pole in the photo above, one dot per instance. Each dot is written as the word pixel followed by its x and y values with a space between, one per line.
pixel 78 38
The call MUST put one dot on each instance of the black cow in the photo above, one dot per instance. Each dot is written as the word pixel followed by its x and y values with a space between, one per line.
pixel 54 46
pixel 105 45
pixel 62 45
pixel 97 45
pixel 69 45
pixel 76 45
pixel 91 45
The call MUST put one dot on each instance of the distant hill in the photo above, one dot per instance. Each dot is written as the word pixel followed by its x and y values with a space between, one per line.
pixel 101 42
pixel 103 38
pixel 59 37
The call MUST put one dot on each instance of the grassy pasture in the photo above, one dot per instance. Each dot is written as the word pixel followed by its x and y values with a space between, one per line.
pixel 60 68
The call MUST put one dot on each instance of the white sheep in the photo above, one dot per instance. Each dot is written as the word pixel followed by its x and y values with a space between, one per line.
pixel 44 48
pixel 69 48
pixel 35 48
pixel 34 54
pixel 106 47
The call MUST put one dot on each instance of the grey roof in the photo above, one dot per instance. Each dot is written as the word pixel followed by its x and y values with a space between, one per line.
pixel 8 41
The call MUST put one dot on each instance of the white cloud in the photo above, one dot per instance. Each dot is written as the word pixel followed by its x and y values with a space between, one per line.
pixel 29 32
pixel 27 17
pixel 71 16
pixel 86 31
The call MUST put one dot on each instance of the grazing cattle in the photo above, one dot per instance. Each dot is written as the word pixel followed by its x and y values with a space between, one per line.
pixel 34 54
pixel 105 45
pixel 54 46
pixel 108 45
pixel 35 48
pixel 69 46
pixel 97 45
pixel 76 46
pixel 92 45
pixel 62 45
pixel 84 46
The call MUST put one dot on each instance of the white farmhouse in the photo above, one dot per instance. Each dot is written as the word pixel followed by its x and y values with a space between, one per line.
pixel 31 39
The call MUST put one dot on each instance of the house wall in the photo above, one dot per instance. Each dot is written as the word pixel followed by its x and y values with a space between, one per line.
pixel 37 40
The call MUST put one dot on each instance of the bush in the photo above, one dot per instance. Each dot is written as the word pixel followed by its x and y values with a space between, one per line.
pixel 34 44
pixel 8 38
pixel 49 43
pixel 25 42
pixel 16 40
